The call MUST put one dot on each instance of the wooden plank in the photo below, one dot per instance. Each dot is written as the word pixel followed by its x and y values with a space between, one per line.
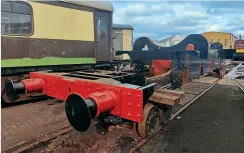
pixel 164 99
pixel 195 91
pixel 196 84
pixel 187 98
pixel 171 92
pixel 193 88
pixel 227 82
pixel 240 81
pixel 206 80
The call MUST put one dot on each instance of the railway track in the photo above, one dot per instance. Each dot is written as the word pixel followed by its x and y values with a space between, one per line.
pixel 24 126
pixel 238 84
pixel 18 103
pixel 237 73
pixel 42 140
pixel 143 141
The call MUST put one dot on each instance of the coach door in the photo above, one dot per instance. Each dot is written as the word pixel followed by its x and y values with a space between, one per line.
pixel 102 36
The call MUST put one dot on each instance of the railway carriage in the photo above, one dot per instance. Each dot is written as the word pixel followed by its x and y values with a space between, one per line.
pixel 37 30
pixel 239 47
pixel 40 35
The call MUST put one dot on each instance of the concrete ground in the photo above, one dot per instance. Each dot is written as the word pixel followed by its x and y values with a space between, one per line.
pixel 21 124
pixel 213 124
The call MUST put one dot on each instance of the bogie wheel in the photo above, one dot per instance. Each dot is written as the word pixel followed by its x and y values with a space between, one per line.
pixel 150 122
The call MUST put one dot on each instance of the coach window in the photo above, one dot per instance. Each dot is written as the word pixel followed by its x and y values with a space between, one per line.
pixel 102 28
pixel 16 18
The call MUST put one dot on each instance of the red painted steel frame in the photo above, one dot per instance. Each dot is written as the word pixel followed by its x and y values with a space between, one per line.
pixel 161 66
pixel 129 103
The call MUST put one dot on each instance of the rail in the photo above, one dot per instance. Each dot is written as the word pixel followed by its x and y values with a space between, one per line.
pixel 143 141
pixel 238 84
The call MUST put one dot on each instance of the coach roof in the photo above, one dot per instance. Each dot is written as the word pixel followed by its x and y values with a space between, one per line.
pixel 103 5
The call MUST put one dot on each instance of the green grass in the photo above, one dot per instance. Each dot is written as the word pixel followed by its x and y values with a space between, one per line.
pixel 44 61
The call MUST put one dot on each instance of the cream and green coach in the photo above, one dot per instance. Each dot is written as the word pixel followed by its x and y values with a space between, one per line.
pixel 52 33
pixel 55 32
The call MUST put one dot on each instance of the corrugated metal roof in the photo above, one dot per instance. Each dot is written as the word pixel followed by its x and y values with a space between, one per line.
pixel 122 26
pixel 103 5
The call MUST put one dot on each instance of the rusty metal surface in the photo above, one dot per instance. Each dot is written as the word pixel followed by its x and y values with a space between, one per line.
pixel 161 80
pixel 146 127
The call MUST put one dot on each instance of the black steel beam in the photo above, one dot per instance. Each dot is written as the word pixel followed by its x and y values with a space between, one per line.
pixel 156 54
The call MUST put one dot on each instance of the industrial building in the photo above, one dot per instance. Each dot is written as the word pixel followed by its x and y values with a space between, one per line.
pixel 122 38
pixel 226 39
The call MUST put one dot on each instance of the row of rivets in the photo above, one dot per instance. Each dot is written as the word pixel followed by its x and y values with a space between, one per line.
pixel 138 115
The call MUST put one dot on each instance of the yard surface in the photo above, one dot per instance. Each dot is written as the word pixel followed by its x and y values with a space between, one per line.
pixel 213 124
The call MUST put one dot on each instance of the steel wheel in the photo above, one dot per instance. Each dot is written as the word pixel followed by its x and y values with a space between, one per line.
pixel 150 122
